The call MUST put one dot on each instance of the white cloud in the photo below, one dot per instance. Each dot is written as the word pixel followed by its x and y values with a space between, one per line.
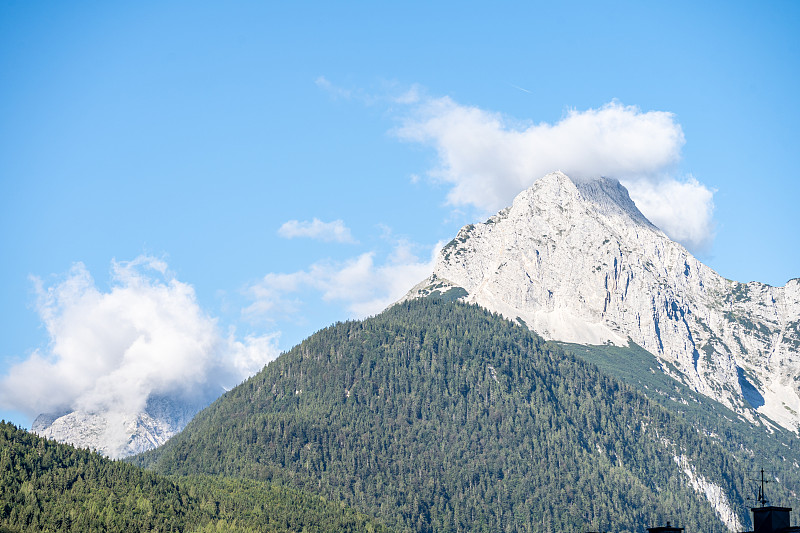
pixel 110 351
pixel 682 209
pixel 271 298
pixel 323 83
pixel 364 286
pixel 335 231
pixel 488 159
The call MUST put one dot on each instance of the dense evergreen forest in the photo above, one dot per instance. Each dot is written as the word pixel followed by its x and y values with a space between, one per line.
pixel 45 486
pixel 437 416
pixel 756 445
pixel 433 416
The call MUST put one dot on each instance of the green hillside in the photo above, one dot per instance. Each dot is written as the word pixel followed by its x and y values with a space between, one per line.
pixel 45 486
pixel 438 416
pixel 756 445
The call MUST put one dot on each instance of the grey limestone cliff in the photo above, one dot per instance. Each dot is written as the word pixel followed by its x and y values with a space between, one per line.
pixel 578 262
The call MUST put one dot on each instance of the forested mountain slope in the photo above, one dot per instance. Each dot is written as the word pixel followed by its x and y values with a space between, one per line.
pixel 576 261
pixel 771 446
pixel 46 486
pixel 443 417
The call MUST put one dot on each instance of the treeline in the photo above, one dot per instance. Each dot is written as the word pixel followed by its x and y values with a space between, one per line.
pixel 442 417
pixel 46 486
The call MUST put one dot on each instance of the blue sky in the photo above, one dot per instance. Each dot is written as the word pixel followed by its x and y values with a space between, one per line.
pixel 169 159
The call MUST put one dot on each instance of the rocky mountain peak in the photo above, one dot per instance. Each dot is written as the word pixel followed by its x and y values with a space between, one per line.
pixel 601 196
pixel 610 198
pixel 578 262
pixel 117 434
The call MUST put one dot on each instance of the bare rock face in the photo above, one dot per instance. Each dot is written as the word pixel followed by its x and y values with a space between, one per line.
pixel 119 434
pixel 578 262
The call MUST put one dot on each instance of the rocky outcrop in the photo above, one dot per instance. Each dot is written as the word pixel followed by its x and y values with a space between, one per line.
pixel 578 262
pixel 115 434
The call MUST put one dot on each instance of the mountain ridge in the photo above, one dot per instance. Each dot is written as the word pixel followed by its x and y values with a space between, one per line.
pixel 578 262
pixel 118 435
pixel 440 416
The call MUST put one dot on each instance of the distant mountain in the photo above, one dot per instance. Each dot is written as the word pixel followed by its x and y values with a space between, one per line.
pixel 46 486
pixel 436 416
pixel 578 262
pixel 120 435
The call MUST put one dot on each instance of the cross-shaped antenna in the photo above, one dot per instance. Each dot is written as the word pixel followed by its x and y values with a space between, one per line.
pixel 762 495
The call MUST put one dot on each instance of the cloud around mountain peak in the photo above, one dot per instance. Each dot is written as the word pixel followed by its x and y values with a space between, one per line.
pixel 487 158
pixel 110 351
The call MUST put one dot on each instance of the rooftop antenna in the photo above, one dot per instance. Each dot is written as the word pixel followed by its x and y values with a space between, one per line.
pixel 762 495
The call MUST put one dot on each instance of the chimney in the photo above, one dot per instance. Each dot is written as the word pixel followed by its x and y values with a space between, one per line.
pixel 665 529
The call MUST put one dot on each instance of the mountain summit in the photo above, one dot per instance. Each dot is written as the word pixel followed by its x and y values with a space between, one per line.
pixel 576 261
pixel 118 435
